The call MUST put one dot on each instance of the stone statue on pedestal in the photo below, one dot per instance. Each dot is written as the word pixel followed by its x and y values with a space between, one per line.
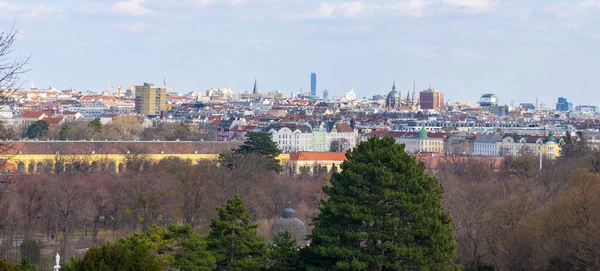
pixel 57 266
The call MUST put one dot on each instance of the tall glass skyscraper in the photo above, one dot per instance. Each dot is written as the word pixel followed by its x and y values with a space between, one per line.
pixel 313 84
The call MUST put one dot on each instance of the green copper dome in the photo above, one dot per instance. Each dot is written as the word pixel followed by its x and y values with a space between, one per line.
pixel 289 212
pixel 423 134
pixel 550 138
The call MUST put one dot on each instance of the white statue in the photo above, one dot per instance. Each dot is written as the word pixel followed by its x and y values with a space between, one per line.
pixel 57 259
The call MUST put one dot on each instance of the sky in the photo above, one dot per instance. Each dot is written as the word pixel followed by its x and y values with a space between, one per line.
pixel 520 49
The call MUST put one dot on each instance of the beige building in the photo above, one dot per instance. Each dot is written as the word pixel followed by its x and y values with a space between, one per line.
pixel 150 100
pixel 421 142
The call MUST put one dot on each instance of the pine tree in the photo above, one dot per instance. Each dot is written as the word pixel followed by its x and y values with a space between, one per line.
pixel 97 126
pixel 37 129
pixel 284 253
pixel 26 265
pixel 233 241
pixel 383 213
pixel 262 144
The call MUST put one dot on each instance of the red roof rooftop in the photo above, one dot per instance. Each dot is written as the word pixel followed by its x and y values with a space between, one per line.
pixel 32 114
pixel 317 156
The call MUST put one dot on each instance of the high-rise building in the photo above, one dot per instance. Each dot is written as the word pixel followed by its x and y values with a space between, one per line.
pixel 563 105
pixel 431 99
pixel 150 100
pixel 313 84
pixel 325 94
pixel 488 100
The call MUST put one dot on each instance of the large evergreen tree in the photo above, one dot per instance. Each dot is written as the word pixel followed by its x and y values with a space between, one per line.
pixel 261 143
pixel 37 129
pixel 96 125
pixel 233 241
pixel 383 213
pixel 284 255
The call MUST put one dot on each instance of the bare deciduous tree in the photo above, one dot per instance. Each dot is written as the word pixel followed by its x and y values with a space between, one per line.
pixel 31 197
pixel 11 68
pixel 66 196
pixel 339 145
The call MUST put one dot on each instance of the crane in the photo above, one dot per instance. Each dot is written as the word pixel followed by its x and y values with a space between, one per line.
pixel 119 94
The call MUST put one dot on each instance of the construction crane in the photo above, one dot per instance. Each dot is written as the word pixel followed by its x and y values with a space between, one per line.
pixel 119 94
pixel 112 87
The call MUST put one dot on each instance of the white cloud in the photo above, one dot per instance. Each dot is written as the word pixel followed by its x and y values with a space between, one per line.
pixel 132 27
pixel 478 5
pixel 346 9
pixel 412 8
pixel 28 11
pixel 131 7
pixel 204 3
pixel 134 8
pixel 576 15
pixel 418 50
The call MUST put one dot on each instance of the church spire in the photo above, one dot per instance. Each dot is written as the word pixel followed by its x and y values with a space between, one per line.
pixel 255 91
pixel 394 85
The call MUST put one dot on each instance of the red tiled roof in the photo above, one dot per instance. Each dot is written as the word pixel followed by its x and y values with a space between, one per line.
pixel 344 128
pixel 216 123
pixel 317 156
pixel 243 128
pixel 69 113
pixel 53 120
pixel 32 114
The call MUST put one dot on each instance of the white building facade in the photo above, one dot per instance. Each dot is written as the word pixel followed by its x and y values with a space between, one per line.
pixel 291 137
pixel 487 145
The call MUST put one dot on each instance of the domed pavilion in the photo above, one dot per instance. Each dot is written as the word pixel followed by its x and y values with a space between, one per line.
pixel 289 222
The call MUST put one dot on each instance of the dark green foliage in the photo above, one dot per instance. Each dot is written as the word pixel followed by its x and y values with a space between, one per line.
pixel 37 129
pixel 6 266
pixel 191 253
pixel 31 249
pixel 132 253
pixel 334 168
pixel 383 213
pixel 177 247
pixel 233 241
pixel 262 144
pixel 26 265
pixel 97 126
pixel 474 266
pixel 118 256
pixel 284 254
pixel 62 135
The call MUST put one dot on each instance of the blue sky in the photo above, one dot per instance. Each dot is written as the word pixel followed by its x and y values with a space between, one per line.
pixel 518 49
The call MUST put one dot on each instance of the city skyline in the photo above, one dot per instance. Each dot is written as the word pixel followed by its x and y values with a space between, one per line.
pixel 519 51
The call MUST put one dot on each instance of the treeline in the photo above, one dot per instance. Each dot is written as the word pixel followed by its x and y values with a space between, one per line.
pixel 524 218
pixel 69 207
pixel 382 212
pixel 516 218
pixel 120 128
